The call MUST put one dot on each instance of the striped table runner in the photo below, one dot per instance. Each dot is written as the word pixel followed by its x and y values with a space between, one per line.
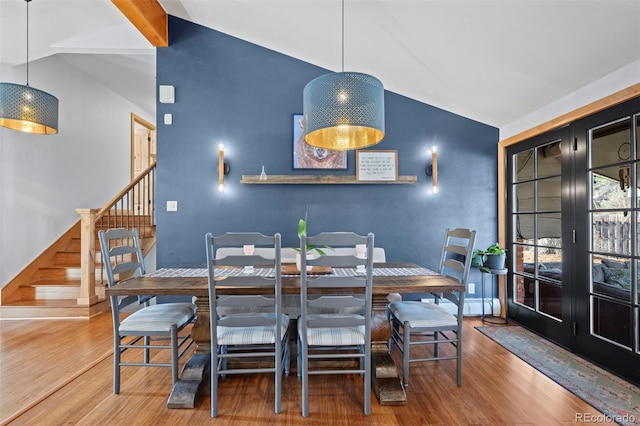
pixel 269 272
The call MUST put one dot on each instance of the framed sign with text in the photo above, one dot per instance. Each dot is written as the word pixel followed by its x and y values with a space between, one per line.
pixel 372 166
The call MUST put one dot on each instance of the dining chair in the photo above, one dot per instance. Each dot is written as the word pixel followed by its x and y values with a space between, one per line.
pixel 417 323
pixel 333 283
pixel 245 305
pixel 122 259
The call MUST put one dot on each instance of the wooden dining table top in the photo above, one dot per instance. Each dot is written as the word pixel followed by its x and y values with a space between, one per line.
pixel 198 285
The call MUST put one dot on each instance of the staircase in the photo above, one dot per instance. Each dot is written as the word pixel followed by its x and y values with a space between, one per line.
pixel 52 289
pixel 67 280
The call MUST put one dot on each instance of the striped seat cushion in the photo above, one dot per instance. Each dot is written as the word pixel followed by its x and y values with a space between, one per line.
pixel 419 314
pixel 333 336
pixel 256 335
pixel 158 318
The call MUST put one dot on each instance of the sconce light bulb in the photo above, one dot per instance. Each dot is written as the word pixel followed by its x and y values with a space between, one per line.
pixel 221 187
pixel 434 149
pixel 436 189
pixel 220 147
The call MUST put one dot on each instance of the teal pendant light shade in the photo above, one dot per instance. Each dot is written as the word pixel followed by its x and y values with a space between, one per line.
pixel 343 111
pixel 26 109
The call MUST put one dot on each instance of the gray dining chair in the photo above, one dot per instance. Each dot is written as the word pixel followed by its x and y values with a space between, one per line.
pixel 149 323
pixel 247 322
pixel 417 323
pixel 346 333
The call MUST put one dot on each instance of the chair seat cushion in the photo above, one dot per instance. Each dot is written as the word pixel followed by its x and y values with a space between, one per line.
pixel 254 335
pixel 333 336
pixel 159 318
pixel 420 314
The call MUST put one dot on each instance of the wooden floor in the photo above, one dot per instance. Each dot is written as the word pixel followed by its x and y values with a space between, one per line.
pixel 55 372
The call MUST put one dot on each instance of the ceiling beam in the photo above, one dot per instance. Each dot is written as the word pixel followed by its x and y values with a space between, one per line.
pixel 148 17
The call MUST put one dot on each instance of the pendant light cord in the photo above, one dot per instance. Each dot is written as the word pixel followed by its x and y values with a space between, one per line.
pixel 342 35
pixel 27 41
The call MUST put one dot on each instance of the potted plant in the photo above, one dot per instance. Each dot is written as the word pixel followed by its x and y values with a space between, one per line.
pixel 493 257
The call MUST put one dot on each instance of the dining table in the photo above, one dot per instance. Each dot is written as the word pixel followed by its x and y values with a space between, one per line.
pixel 388 278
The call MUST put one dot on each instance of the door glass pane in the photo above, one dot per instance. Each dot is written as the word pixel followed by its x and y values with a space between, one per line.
pixel 524 197
pixel 549 160
pixel 524 165
pixel 610 188
pixel 612 320
pixel 611 232
pixel 613 247
pixel 610 143
pixel 524 279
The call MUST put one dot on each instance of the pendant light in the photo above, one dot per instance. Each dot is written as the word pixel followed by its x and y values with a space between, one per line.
pixel 345 110
pixel 26 109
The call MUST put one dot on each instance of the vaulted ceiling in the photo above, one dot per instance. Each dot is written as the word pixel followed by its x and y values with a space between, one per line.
pixel 492 61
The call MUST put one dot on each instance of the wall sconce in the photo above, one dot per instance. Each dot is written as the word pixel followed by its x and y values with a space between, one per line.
pixel 432 169
pixel 223 168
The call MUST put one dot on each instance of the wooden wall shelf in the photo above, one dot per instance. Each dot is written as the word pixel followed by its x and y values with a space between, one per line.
pixel 320 179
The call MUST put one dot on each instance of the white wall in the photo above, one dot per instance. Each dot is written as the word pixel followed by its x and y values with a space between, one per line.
pixel 43 179
pixel 618 80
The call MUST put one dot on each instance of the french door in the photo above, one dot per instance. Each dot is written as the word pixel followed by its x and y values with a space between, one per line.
pixel 574 237
pixel 539 291
pixel 607 297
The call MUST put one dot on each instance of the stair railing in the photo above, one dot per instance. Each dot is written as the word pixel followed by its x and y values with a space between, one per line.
pixel 132 208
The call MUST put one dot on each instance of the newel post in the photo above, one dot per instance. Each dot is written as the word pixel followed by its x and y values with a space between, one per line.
pixel 88 295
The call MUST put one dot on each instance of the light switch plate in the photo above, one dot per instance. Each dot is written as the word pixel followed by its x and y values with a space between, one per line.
pixel 471 288
pixel 172 206
pixel 168 119
pixel 166 94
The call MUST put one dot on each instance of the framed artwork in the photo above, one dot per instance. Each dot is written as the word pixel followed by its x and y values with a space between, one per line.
pixel 306 156
pixel 375 166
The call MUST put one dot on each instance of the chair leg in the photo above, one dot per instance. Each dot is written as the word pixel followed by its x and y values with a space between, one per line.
pixel 287 357
pixel 214 381
pixel 174 355
pixel 278 367
pixel 116 366
pixel 367 379
pixel 406 352
pixel 299 358
pixel 147 342
pixel 459 357
pixel 305 381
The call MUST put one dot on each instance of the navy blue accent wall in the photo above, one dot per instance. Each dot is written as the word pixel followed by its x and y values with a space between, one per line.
pixel 237 93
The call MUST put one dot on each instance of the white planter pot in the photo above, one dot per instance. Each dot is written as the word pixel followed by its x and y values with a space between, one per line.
pixel 310 255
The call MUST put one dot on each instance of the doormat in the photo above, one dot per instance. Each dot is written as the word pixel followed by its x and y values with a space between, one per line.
pixel 616 398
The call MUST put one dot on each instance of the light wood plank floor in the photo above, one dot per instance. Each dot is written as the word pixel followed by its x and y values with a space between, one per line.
pixel 55 372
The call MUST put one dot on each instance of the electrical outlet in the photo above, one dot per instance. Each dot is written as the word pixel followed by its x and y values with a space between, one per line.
pixel 172 206
pixel 471 288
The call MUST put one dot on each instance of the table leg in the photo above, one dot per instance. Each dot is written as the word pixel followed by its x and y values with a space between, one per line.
pixel 386 380
pixel 195 375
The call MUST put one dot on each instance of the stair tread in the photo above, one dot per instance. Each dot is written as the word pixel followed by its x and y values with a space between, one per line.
pixel 69 282
pixel 45 303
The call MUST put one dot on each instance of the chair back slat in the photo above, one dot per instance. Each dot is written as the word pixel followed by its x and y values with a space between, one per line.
pixel 336 302
pixel 337 321
pixel 245 301
pixel 246 321
pixel 244 260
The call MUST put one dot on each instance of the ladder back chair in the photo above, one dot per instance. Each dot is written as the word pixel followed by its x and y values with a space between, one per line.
pixel 345 333
pixel 416 323
pixel 245 299
pixel 122 259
